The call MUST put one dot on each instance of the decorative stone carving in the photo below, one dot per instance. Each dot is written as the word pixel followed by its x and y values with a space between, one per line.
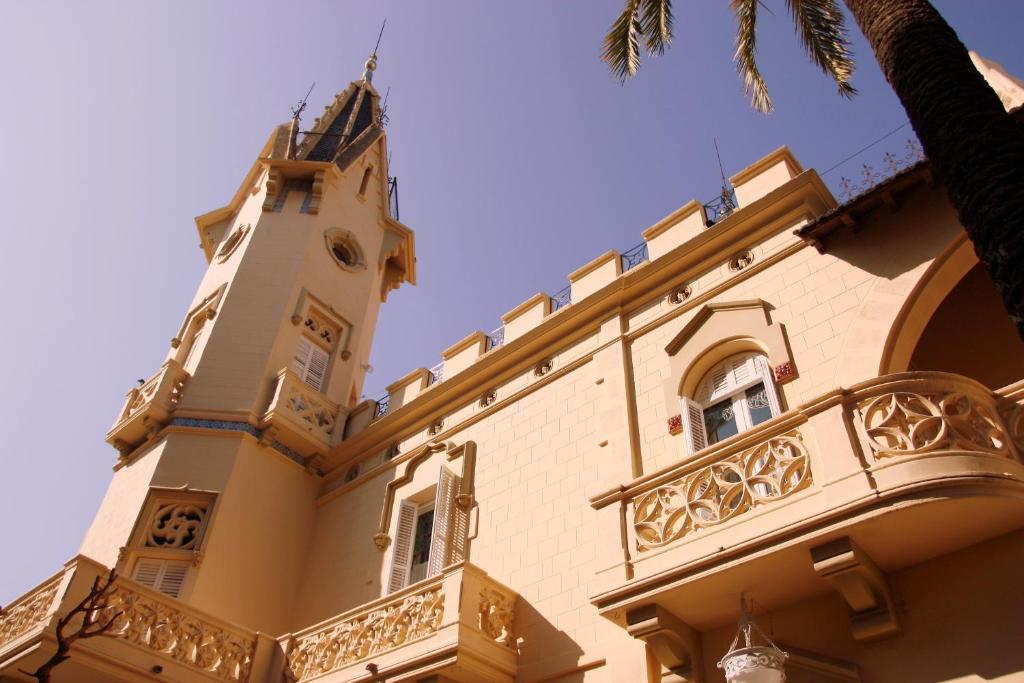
pixel 496 615
pixel 861 584
pixel 229 246
pixel 905 423
pixel 380 630
pixel 176 525
pixel 305 404
pixel 489 398
pixel 1014 419
pixel 783 372
pixel 160 626
pixel 717 492
pixel 26 614
pixel 543 368
pixel 741 260
pixel 680 294
pixel 675 424
pixel 436 427
pixel 274 182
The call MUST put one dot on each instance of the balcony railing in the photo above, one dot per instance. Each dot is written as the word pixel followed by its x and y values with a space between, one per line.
pixel 896 455
pixel 148 407
pixel 631 258
pixel 462 609
pixel 146 625
pixel 302 418
pixel 720 207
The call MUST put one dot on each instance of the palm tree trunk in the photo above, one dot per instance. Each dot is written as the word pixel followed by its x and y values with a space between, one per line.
pixel 975 148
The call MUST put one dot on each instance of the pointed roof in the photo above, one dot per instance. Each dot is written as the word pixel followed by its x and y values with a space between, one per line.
pixel 348 126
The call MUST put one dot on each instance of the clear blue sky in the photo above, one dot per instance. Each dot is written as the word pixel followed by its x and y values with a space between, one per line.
pixel 519 159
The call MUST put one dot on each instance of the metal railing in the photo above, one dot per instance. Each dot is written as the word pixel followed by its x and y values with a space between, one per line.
pixel 633 257
pixel 561 299
pixel 854 181
pixel 393 196
pixel 721 207
pixel 496 338
pixel 436 373
pixel 380 407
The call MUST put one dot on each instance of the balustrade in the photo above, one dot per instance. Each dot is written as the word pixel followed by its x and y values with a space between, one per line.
pixel 461 607
pixel 299 416
pixel 148 407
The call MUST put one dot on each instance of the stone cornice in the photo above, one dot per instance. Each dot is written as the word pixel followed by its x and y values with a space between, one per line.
pixel 804 198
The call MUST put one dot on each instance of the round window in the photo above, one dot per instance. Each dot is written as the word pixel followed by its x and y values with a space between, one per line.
pixel 232 242
pixel 343 248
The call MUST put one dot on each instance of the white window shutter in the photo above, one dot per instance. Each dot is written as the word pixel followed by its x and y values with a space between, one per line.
pixel 166 576
pixel 316 373
pixel 172 579
pixel 402 553
pixel 460 529
pixel 765 370
pixel 301 359
pixel 444 503
pixel 693 425
pixel 310 363
pixel 146 572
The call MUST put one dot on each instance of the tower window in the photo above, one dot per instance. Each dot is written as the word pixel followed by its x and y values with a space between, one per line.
pixel 736 395
pixel 343 253
pixel 365 183
pixel 344 249
pixel 310 364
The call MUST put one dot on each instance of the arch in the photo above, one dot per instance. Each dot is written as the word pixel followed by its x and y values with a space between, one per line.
pixel 720 330
pixel 955 261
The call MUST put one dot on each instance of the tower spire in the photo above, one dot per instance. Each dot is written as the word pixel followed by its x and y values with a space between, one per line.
pixel 371 63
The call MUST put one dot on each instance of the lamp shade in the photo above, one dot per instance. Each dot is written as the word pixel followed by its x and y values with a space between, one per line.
pixel 752 663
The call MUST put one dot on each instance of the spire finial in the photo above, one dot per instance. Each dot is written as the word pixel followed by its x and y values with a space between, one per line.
pixel 371 63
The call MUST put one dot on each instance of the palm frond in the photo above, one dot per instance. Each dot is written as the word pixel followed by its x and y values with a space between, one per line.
pixel 746 55
pixel 656 25
pixel 622 44
pixel 821 27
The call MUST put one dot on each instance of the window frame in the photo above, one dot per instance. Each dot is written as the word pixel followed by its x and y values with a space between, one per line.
pixel 729 379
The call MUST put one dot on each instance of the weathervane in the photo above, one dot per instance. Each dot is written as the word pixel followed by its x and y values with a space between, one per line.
pixel 301 106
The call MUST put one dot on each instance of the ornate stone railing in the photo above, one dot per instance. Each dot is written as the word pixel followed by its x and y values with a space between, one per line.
pixel 29 612
pixel 915 414
pixel 1012 412
pixel 148 407
pixel 299 416
pixel 145 624
pixel 461 608
pixel 717 492
pixel 150 620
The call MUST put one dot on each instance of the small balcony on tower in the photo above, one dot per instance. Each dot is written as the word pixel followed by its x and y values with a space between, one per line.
pixel 300 417
pixel 148 407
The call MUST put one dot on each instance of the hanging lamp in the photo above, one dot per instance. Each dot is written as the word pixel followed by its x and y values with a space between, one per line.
pixel 752 663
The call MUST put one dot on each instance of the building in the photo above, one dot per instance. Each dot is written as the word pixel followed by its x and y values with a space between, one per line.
pixel 810 407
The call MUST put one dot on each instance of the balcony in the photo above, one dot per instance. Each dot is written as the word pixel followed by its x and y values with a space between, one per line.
pixel 148 407
pixel 828 496
pixel 458 625
pixel 300 417
pixel 150 632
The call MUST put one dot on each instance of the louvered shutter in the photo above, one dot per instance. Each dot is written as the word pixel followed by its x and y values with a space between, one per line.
pixel 301 359
pixel 166 576
pixel 310 363
pixel 402 552
pixel 693 425
pixel 460 530
pixel 440 536
pixel 765 370
pixel 316 373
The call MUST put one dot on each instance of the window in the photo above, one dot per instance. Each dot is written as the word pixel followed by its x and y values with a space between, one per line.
pixel 167 539
pixel 734 396
pixel 166 576
pixel 429 535
pixel 344 249
pixel 310 363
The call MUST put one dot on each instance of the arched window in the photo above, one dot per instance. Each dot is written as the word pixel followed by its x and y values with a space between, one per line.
pixel 733 396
